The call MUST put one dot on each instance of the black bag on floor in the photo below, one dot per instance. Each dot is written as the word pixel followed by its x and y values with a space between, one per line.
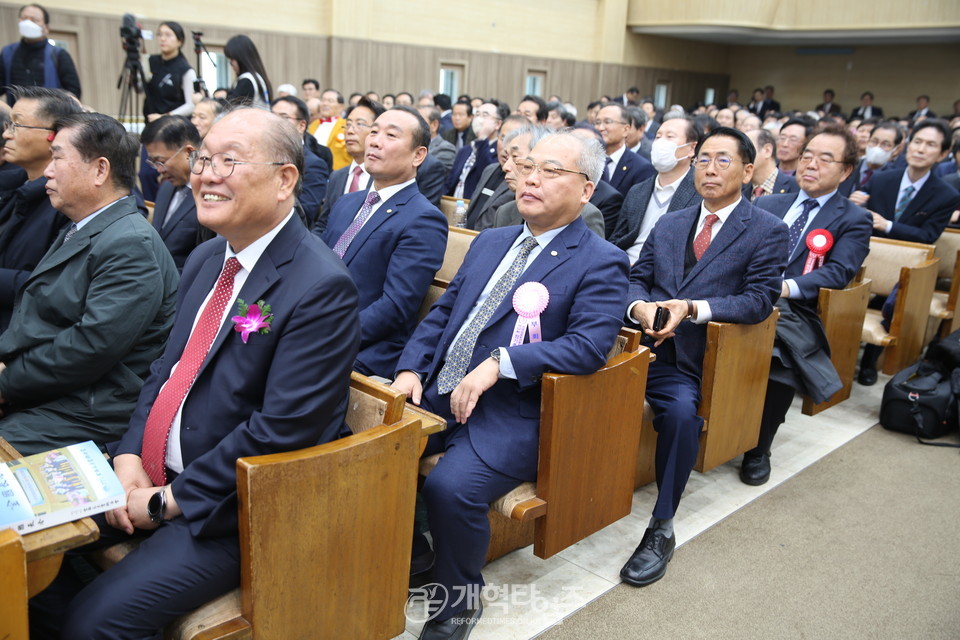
pixel 922 401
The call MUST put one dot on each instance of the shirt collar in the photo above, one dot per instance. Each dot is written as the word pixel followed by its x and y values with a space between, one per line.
pixel 388 192
pixel 542 240
pixel 249 256
pixel 616 155
pixel 822 200
pixel 723 214
pixel 905 181
pixel 672 186
pixel 93 215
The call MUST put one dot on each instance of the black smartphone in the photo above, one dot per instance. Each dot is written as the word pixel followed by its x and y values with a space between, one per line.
pixel 660 318
pixel 199 87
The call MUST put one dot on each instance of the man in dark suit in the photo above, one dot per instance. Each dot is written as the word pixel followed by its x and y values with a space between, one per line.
pixel 316 171
pixel 768 93
pixel 671 189
pixel 354 177
pixel 866 109
pixel 605 196
pixel 624 167
pixel 883 147
pixel 636 140
pixel 462 362
pixel 472 158
pixel 912 204
pixel 828 106
pixel 461 116
pixel 492 190
pixel 922 110
pixel 29 224
pixel 801 353
pixel 439 148
pixel 767 178
pixel 697 272
pixel 267 381
pixel 96 310
pixel 169 141
pixel 391 239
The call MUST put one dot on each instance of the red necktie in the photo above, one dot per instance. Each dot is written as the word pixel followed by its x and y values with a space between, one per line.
pixel 757 192
pixel 355 184
pixel 171 396
pixel 702 242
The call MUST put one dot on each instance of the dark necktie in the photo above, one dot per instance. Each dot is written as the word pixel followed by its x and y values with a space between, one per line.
pixel 171 396
pixel 865 177
pixel 904 202
pixel 796 229
pixel 702 242
pixel 455 368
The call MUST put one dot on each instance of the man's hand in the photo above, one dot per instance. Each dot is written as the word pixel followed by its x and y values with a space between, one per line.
pixel 129 469
pixel 859 198
pixel 879 222
pixel 645 312
pixel 407 382
pixel 464 398
pixel 137 508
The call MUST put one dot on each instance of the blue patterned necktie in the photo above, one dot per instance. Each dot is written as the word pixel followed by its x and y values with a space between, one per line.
pixel 344 242
pixel 456 365
pixel 904 202
pixel 796 229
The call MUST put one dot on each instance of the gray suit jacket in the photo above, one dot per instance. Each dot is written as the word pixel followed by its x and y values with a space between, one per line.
pixel 508 215
pixel 635 208
pixel 91 318
pixel 443 151
pixel 482 210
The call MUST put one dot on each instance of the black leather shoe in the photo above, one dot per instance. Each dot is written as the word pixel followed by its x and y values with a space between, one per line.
pixel 649 562
pixel 458 627
pixel 867 376
pixel 755 470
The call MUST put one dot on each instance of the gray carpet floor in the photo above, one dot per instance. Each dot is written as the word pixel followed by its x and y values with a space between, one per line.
pixel 864 543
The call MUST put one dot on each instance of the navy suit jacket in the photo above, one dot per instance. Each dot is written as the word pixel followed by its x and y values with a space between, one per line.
pixel 925 217
pixel 632 169
pixel 316 172
pixel 179 234
pixel 28 226
pixel 875 112
pixel 739 275
pixel 335 186
pixel 486 154
pixel 850 227
pixel 392 261
pixel 634 208
pixel 608 200
pixel 587 281
pixel 281 391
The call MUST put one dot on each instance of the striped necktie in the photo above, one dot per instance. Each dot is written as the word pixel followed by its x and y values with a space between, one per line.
pixel 904 202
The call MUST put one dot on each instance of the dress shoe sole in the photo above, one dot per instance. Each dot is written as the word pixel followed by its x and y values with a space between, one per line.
pixel 652 579
pixel 754 482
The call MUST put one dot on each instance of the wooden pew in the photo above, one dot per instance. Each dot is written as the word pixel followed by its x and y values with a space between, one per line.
pixel 842 312
pixel 736 366
pixel 458 243
pixel 589 440
pixel 448 207
pixel 13 595
pixel 944 312
pixel 914 267
pixel 316 524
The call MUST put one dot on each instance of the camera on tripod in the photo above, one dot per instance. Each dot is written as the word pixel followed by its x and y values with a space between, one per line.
pixel 131 35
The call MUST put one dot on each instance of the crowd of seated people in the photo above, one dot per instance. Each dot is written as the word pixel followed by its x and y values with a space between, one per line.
pixel 304 230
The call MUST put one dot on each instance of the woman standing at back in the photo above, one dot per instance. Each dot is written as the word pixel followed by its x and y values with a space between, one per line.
pixel 253 85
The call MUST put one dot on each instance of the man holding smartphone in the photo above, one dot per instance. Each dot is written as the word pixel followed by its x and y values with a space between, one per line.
pixel 720 260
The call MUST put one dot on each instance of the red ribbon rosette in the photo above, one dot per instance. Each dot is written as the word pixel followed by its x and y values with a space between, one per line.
pixel 819 243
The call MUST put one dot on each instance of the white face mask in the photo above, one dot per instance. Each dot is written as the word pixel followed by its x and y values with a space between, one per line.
pixel 663 154
pixel 877 156
pixel 30 30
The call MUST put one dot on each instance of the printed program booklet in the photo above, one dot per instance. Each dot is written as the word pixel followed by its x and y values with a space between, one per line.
pixel 57 486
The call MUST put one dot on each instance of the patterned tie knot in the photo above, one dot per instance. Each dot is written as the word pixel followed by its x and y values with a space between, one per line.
pixel 372 198
pixel 231 268
pixel 702 242
pixel 72 230
pixel 710 220
pixel 808 205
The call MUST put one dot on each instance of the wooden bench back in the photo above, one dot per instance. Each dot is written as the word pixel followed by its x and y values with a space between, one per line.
pixel 13 603
pixel 372 404
pixel 458 242
pixel 887 256
pixel 947 246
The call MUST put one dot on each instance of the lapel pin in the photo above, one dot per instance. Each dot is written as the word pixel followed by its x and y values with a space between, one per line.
pixel 553 253
pixel 389 210
pixel 623 168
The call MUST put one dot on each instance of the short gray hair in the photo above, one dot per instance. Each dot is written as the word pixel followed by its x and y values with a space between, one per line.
pixel 592 157
pixel 537 132
pixel 282 142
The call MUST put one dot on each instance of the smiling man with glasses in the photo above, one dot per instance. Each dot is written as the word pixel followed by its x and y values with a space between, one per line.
pixel 624 168
pixel 473 158
pixel 720 260
pixel 463 362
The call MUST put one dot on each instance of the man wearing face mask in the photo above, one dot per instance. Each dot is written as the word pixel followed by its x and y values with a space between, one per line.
pixel 670 190
pixel 883 147
pixel 34 61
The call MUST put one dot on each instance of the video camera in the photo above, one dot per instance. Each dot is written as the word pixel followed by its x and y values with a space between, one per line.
pixel 131 35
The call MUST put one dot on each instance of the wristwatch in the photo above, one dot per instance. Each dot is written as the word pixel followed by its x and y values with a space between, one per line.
pixel 157 506
pixel 495 354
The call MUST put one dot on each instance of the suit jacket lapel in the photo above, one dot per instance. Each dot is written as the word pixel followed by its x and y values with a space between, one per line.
pixel 164 196
pixel 279 252
pixel 386 210
pixel 824 218
pixel 60 253
pixel 920 199
pixel 735 224
pixel 473 286
pixel 174 217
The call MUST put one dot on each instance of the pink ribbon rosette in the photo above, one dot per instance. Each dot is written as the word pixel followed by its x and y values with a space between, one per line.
pixel 819 242
pixel 529 301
